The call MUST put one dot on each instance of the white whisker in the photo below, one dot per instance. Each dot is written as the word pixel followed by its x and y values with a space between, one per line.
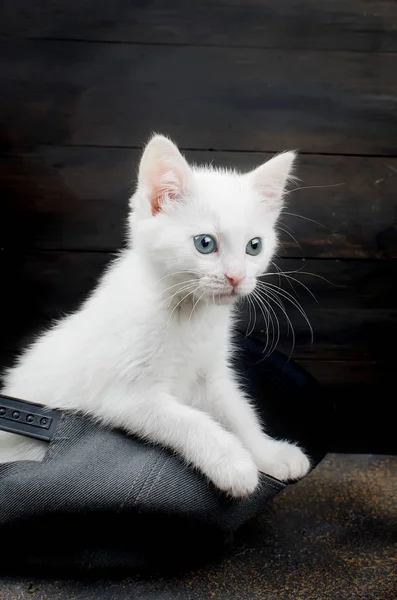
pixel 272 297
pixel 179 303
pixel 288 277
pixel 178 292
pixel 180 289
pixel 255 300
pixel 302 272
pixel 194 306
pixel 180 284
pixel 291 236
pixel 175 273
pixel 287 296
pixel 270 311
pixel 248 331
pixel 314 187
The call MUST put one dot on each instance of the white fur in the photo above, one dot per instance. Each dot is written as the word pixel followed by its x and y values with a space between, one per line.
pixel 150 350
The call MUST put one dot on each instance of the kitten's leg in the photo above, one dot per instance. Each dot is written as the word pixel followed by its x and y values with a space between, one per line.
pixel 227 403
pixel 14 447
pixel 193 434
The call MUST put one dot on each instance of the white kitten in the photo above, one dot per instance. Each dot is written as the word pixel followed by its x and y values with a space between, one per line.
pixel 150 350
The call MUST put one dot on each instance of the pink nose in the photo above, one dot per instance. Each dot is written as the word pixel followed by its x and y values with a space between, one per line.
pixel 234 279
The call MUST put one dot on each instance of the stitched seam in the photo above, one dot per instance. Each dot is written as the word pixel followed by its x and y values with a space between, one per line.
pixel 148 476
pixel 128 495
pixel 155 480
pixel 56 438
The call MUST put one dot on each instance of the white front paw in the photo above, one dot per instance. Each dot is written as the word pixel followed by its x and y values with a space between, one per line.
pixel 283 461
pixel 234 472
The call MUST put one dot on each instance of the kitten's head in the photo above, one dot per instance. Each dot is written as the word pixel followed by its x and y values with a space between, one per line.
pixel 210 229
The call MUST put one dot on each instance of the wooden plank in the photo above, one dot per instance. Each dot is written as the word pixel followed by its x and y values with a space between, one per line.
pixel 352 315
pixel 365 25
pixel 354 319
pixel 57 197
pixel 349 378
pixel 343 334
pixel 206 98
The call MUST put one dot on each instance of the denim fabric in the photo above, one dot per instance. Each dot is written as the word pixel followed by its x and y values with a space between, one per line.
pixel 101 498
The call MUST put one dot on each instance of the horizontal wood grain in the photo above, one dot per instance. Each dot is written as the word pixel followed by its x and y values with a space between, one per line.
pixel 340 334
pixel 365 25
pixel 232 81
pixel 354 318
pixel 349 378
pixel 77 198
pixel 78 93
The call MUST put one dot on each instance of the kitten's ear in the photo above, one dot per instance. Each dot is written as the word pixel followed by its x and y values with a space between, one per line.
pixel 270 179
pixel 164 174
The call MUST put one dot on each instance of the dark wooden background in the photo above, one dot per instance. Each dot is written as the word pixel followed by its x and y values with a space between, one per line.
pixel 84 83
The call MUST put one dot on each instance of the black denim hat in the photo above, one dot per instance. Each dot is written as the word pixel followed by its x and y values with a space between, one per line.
pixel 102 500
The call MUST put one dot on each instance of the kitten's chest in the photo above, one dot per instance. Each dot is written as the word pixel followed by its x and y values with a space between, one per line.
pixel 192 346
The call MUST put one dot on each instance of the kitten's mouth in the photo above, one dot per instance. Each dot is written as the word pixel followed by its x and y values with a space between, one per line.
pixel 222 294
pixel 228 295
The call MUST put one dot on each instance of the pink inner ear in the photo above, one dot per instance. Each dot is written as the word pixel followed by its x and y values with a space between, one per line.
pixel 158 198
pixel 167 185
pixel 270 197
pixel 155 204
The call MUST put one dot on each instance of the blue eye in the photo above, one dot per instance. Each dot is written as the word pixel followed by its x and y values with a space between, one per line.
pixel 254 246
pixel 205 244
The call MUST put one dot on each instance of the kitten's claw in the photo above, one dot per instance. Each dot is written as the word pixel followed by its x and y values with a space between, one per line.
pixel 287 462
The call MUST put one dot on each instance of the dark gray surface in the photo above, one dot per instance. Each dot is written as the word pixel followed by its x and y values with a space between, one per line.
pixel 364 25
pixel 88 468
pixel 99 94
pixel 331 537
